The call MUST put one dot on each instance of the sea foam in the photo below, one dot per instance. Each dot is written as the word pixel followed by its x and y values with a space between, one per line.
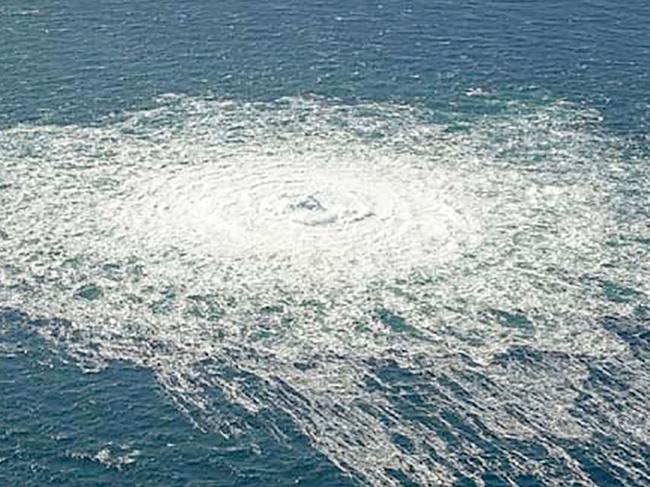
pixel 352 267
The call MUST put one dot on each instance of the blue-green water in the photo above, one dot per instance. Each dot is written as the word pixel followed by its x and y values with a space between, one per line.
pixel 324 243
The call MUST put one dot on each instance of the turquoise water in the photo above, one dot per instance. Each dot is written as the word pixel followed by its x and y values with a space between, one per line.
pixel 323 243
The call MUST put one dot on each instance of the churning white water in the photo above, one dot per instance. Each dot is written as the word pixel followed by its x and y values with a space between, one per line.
pixel 278 252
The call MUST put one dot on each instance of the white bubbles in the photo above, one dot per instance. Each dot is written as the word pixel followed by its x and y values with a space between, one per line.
pixel 349 218
pixel 285 253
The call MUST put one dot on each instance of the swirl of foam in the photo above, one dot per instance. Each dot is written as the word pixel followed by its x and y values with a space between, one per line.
pixel 313 213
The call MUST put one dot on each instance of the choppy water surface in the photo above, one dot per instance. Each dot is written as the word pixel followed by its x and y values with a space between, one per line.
pixel 378 292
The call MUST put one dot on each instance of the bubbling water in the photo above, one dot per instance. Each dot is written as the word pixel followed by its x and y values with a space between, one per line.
pixel 320 217
pixel 291 256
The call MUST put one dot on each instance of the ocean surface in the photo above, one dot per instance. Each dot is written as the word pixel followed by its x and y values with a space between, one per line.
pixel 396 243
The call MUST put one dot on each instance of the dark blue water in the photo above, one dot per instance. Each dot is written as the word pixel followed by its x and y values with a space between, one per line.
pixel 64 61
pixel 74 63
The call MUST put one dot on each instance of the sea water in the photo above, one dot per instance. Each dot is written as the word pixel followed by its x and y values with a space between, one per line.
pixel 324 243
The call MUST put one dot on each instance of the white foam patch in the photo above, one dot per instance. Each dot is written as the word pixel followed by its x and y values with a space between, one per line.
pixel 322 218
pixel 303 242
